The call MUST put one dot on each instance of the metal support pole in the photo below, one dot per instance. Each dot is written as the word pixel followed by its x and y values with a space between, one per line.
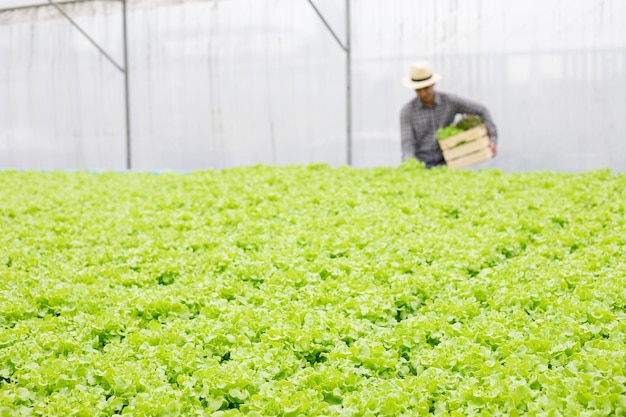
pixel 348 86
pixel 127 89
pixel 347 50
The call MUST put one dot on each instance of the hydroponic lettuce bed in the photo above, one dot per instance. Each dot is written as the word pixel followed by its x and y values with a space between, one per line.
pixel 310 290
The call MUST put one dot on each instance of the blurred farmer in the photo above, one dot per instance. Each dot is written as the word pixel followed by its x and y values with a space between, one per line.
pixel 421 117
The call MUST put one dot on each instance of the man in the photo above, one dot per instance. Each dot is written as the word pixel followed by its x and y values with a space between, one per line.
pixel 421 117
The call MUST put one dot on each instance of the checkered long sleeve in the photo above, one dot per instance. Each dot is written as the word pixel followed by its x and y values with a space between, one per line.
pixel 418 124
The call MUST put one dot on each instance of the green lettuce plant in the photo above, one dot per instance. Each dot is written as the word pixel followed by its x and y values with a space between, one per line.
pixel 308 290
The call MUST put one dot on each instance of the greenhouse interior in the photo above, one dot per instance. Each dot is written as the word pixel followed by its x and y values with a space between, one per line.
pixel 312 208
pixel 186 85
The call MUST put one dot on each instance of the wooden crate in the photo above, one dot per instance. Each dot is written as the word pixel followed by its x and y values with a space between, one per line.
pixel 467 148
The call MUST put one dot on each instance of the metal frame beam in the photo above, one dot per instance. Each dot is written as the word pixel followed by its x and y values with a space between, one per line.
pixel 347 48
pixel 60 2
pixel 85 34
pixel 122 68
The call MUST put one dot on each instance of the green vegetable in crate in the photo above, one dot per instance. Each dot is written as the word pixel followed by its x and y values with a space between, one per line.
pixel 446 132
pixel 469 122
pixel 461 126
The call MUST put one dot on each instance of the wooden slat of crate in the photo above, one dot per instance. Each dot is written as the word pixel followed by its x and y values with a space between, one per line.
pixel 467 148
pixel 467 136
pixel 471 159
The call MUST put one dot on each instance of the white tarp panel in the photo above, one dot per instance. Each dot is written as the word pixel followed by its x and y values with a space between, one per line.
pixel 235 82
pixel 214 86
pixel 61 104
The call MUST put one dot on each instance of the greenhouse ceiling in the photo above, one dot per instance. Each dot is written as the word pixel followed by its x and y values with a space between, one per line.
pixel 21 4
pixel 9 4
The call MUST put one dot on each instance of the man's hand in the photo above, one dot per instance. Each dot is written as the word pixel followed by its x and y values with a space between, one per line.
pixel 494 148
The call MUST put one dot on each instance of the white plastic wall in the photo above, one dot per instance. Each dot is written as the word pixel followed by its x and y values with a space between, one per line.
pixel 235 82
pixel 61 103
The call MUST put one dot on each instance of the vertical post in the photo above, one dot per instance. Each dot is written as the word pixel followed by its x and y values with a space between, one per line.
pixel 126 89
pixel 348 52
pixel 348 85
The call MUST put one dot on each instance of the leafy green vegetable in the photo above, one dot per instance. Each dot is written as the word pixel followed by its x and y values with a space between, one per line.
pixel 466 123
pixel 315 291
pixel 446 132
pixel 469 121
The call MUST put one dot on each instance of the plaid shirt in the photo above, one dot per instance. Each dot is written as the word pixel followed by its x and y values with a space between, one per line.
pixel 419 123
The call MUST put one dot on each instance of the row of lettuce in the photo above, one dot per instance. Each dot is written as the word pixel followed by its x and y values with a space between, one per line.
pixel 313 291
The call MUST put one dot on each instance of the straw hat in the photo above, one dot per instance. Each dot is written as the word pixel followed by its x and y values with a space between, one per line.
pixel 421 76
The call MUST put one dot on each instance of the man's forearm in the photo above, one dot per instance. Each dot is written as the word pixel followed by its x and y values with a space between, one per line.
pixel 490 125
